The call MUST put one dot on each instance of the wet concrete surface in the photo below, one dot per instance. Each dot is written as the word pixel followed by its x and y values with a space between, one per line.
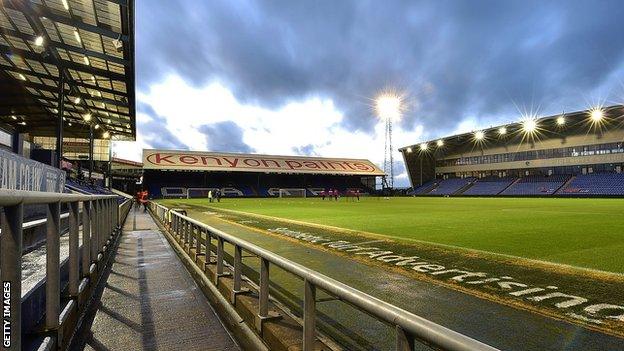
pixel 150 301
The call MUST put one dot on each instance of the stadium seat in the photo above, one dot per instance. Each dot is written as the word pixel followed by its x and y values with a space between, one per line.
pixel 536 185
pixel 595 184
pixel 488 186
pixel 450 186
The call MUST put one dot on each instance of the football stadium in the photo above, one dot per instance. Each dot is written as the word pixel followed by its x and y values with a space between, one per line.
pixel 509 237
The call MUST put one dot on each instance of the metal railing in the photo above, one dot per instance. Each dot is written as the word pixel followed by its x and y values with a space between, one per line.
pixel 101 217
pixel 408 326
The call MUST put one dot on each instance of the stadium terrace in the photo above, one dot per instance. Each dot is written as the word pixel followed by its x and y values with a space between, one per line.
pixel 572 154
pixel 171 173
pixel 155 159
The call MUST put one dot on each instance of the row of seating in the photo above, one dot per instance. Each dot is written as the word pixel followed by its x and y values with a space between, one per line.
pixel 597 184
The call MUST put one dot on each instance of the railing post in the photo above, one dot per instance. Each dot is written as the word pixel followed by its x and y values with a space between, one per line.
pixel 94 230
pixel 198 249
pixel 309 315
pixel 219 259
pixel 238 267
pixel 187 232
pixel 86 237
pixel 264 289
pixel 404 341
pixel 208 243
pixel 53 271
pixel 11 268
pixel 192 237
pixel 74 259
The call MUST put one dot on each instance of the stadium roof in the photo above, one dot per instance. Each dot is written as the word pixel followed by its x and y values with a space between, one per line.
pixel 90 43
pixel 182 160
pixel 532 129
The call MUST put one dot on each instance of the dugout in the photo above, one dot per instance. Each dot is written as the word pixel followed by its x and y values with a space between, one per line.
pixel 181 174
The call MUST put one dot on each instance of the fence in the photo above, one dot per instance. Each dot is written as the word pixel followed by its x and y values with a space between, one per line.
pixel 101 217
pixel 409 327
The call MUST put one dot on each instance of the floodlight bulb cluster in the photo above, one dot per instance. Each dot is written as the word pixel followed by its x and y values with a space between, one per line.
pixel 561 120
pixel 529 126
pixel 479 135
pixel 440 143
pixel 423 147
pixel 502 130
pixel 596 114
pixel 388 106
pixel 39 41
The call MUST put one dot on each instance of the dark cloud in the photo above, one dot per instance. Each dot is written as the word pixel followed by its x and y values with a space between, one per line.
pixel 155 131
pixel 225 137
pixel 457 59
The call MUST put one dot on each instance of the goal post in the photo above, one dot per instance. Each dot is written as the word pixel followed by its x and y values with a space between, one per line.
pixel 292 192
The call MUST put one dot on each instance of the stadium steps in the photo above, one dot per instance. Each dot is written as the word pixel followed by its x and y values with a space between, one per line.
pixel 464 188
pixel 565 185
pixel 432 188
pixel 509 186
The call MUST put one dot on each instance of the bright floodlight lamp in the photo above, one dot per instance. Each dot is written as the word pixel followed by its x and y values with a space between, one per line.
pixel 388 107
pixel 440 143
pixel 529 126
pixel 423 147
pixel 502 130
pixel 479 135
pixel 561 120
pixel 596 115
pixel 22 77
pixel 77 100
pixel 87 117
pixel 39 41
pixel 106 135
pixel 409 150
pixel 13 116
pixel 96 126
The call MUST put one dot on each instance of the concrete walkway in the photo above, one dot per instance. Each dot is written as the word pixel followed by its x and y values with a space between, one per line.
pixel 150 302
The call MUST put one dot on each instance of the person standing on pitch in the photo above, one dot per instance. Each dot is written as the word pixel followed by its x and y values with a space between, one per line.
pixel 336 194
pixel 218 195
pixel 209 195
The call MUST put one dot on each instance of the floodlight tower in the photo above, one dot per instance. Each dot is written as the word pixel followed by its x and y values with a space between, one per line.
pixel 388 107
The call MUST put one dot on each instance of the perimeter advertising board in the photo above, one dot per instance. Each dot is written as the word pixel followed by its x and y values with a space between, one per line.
pixel 228 162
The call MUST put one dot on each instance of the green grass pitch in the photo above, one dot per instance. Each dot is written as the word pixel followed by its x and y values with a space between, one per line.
pixel 580 232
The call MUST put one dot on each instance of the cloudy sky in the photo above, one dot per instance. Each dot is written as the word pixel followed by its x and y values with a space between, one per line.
pixel 298 77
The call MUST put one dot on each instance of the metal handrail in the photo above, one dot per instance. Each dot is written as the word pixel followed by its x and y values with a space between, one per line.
pixel 408 325
pixel 101 218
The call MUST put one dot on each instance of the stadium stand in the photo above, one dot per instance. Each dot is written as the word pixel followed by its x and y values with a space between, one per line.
pixel 536 185
pixel 425 188
pixel 595 184
pixel 489 186
pixel 450 186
